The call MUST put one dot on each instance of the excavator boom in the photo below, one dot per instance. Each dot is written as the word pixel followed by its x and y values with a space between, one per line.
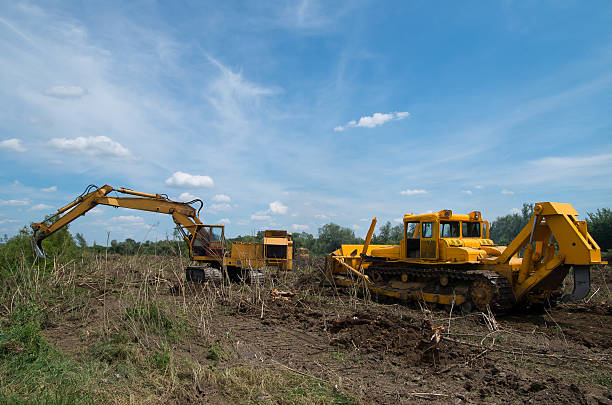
pixel 183 214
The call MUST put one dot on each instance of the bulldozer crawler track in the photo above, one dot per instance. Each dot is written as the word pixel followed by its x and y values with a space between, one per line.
pixel 502 297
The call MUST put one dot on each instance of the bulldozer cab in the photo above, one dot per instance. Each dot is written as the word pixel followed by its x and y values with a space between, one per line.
pixel 421 239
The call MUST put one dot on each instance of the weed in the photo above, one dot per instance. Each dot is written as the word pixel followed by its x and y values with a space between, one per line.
pixel 215 351
pixel 153 318
pixel 604 380
pixel 31 370
pixel 162 359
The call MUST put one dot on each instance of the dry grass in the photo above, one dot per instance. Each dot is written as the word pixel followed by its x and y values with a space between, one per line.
pixel 135 332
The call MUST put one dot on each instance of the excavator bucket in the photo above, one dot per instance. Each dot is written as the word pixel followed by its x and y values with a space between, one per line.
pixel 36 243
pixel 582 284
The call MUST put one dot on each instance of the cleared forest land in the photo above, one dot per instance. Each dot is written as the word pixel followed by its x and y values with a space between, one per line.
pixel 128 329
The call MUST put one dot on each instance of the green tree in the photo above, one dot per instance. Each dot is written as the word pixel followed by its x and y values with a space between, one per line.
pixel 388 234
pixel 80 240
pixel 505 228
pixel 331 236
pixel 599 225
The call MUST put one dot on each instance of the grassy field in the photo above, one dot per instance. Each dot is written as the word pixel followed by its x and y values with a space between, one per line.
pixel 129 330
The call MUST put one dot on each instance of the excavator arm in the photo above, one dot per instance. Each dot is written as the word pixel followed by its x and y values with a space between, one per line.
pixel 184 215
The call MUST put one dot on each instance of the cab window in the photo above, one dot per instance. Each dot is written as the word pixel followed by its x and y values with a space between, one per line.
pixel 427 229
pixel 470 229
pixel 411 227
pixel 449 229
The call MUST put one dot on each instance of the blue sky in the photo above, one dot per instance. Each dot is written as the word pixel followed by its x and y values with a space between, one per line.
pixel 295 114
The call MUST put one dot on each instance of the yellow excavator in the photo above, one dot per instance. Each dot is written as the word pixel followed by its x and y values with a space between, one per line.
pixel 207 244
pixel 449 259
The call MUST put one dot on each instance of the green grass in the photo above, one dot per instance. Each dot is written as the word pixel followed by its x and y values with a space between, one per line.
pixel 152 317
pixel 604 380
pixel 32 371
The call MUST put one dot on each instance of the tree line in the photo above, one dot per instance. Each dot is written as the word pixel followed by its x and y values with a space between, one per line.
pixel 330 237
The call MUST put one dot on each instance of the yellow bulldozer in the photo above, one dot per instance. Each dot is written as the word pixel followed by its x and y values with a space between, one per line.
pixel 207 244
pixel 449 259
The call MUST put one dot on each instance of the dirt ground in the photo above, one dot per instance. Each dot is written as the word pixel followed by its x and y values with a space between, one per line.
pixel 389 353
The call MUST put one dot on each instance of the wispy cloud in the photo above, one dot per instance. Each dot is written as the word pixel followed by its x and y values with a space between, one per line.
pixel 413 192
pixel 14 203
pixel 300 227
pixel 181 179
pixel 13 145
pixel 220 207
pixel 40 207
pixel 51 189
pixel 93 145
pixel 225 221
pixel 373 121
pixel 221 198
pixel 468 192
pixel 261 217
pixel 66 92
pixel 507 192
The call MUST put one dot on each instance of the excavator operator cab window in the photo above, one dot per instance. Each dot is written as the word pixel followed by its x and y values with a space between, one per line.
pixel 449 229
pixel 470 229
pixel 215 234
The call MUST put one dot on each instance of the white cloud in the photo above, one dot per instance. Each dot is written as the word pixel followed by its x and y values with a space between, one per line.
pixel 93 145
pixel 97 210
pixel 14 203
pixel 180 179
pixel 355 227
pixel 507 192
pixel 8 221
pixel 364 220
pixel 49 189
pixel 515 211
pixel 277 207
pixel 468 192
pixel 298 227
pixel 222 198
pixel 413 192
pixel 12 144
pixel 374 120
pixel 187 197
pixel 130 219
pixel 321 216
pixel 478 187
pixel 66 92
pixel 225 221
pixel 220 207
pixel 260 217
pixel 398 220
pixel 40 207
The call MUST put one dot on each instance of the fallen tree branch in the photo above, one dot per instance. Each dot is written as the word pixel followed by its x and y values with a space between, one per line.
pixel 553 355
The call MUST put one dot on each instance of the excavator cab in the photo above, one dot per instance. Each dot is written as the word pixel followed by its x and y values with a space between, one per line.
pixel 207 241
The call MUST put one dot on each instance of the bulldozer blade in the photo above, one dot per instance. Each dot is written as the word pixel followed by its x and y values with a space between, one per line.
pixel 582 284
pixel 37 248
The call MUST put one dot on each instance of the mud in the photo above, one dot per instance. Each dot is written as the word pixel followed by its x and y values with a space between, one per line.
pixel 394 353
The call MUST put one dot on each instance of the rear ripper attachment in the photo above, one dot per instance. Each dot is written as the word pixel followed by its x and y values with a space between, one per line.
pixel 449 259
